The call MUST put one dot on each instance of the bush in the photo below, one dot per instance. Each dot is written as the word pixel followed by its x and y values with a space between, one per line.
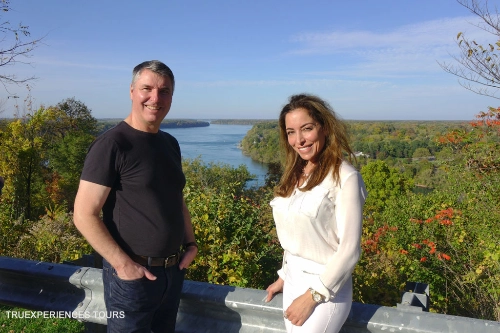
pixel 237 240
pixel 447 238
pixel 53 238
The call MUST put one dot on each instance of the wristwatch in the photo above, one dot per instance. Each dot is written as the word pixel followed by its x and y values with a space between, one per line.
pixel 317 297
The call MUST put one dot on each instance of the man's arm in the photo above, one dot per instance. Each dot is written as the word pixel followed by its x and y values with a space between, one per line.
pixel 191 251
pixel 89 201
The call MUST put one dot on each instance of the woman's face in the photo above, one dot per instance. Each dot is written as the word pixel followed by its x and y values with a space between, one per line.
pixel 304 134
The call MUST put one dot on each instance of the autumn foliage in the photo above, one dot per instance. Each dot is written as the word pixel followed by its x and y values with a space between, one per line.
pixel 448 238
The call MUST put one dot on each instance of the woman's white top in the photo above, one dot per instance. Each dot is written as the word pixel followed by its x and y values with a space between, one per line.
pixel 324 225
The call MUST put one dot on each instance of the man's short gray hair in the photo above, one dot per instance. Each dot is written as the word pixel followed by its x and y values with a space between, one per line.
pixel 155 66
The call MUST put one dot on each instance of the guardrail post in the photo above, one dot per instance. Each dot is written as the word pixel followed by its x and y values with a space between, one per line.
pixel 415 295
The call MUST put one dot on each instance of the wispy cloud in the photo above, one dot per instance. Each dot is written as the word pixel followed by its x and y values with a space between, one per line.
pixel 274 83
pixel 407 50
pixel 423 35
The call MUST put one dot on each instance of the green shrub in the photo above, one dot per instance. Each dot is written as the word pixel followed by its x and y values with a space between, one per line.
pixel 53 238
pixel 237 240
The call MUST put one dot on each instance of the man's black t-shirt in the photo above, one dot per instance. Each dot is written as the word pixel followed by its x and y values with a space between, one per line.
pixel 143 211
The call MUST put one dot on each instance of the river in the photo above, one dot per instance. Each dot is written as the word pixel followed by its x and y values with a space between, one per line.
pixel 218 144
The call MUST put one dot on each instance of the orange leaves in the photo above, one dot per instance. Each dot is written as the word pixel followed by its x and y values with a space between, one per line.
pixel 446 222
pixel 371 245
pixel 476 141
pixel 445 213
pixel 440 256
pixel 444 256
pixel 489 118
pixel 427 248
pixel 431 245
pixel 454 137
pixel 427 245
pixel 486 122
pixel 443 217
pixel 480 155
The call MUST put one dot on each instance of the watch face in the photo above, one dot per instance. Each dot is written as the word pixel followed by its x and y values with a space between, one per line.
pixel 317 297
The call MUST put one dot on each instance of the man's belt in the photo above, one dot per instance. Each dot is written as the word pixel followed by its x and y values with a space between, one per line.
pixel 157 261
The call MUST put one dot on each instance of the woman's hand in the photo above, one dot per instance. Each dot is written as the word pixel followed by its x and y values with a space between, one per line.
pixel 301 309
pixel 274 288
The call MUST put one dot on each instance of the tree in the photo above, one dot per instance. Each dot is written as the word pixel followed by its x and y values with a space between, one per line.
pixel 73 129
pixel 43 154
pixel 421 152
pixel 22 147
pixel 477 65
pixel 383 184
pixel 14 47
pixel 78 117
pixel 42 158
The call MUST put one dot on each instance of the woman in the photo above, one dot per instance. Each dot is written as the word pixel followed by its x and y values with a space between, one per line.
pixel 318 215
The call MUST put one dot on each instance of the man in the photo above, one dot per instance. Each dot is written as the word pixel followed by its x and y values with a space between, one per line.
pixel 133 173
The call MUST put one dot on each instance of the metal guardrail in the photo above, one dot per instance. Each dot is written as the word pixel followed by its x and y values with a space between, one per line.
pixel 204 307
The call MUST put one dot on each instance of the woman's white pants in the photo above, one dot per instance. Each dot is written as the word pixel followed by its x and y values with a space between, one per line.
pixel 327 317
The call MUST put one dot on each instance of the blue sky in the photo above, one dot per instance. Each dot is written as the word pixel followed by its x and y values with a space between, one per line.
pixel 371 60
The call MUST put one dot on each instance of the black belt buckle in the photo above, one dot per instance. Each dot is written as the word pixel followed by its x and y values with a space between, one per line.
pixel 171 260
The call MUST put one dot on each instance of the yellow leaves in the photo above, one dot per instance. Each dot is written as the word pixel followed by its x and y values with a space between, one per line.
pixel 459 34
pixel 462 237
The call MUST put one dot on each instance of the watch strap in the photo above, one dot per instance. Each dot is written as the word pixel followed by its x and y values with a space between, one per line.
pixel 317 297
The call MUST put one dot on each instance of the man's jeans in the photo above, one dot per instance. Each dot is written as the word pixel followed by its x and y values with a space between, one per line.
pixel 142 305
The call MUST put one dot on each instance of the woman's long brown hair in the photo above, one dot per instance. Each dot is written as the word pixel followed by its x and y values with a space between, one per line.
pixel 330 157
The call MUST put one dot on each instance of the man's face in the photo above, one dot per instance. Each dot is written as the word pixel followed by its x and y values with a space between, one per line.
pixel 151 96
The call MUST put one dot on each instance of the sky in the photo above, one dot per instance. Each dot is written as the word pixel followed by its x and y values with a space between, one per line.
pixel 242 59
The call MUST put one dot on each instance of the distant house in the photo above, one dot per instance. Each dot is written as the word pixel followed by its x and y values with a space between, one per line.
pixel 360 153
